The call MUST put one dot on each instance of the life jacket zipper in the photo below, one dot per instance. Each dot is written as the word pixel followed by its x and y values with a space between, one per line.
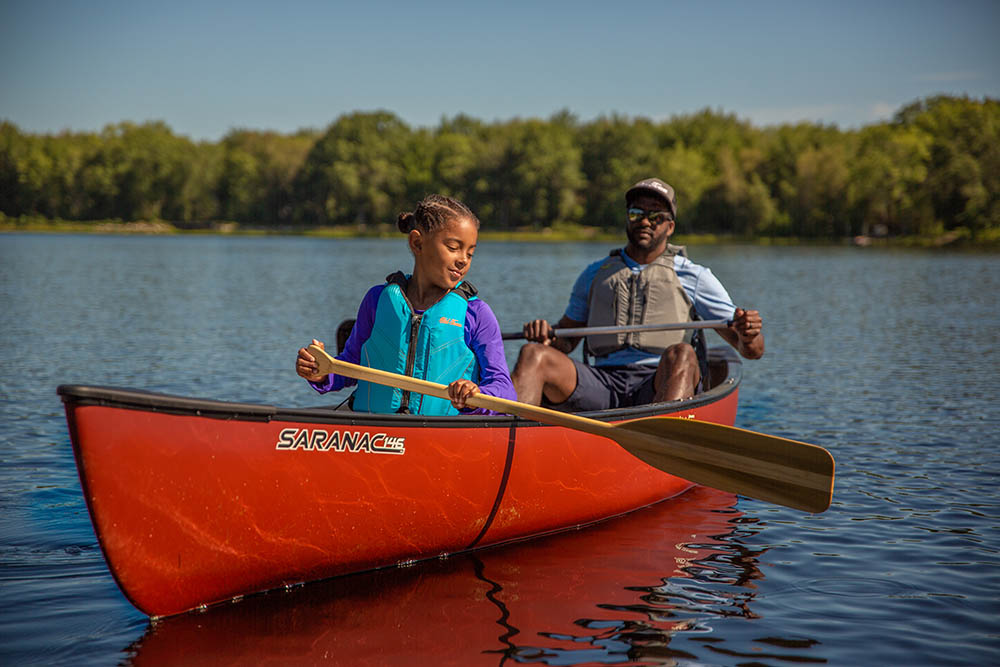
pixel 411 354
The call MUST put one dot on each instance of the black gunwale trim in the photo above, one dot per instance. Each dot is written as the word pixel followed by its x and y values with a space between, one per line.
pixel 138 399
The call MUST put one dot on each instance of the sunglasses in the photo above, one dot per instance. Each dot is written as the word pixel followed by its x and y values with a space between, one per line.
pixel 655 217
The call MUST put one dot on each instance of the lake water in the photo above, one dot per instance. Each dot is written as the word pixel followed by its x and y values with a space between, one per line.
pixel 889 359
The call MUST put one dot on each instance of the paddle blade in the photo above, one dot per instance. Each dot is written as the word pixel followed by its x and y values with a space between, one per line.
pixel 765 467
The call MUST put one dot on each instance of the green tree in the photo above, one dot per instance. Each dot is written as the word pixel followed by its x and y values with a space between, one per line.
pixel 11 141
pixel 820 207
pixel 780 169
pixel 537 180
pixel 197 202
pixel 690 173
pixel 708 131
pixel 257 175
pixel 354 173
pixel 615 153
pixel 710 158
pixel 739 202
pixel 462 157
pixel 24 172
pixel 963 177
pixel 886 181
pixel 137 173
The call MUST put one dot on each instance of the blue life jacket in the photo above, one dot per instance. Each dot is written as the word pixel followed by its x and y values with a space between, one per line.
pixel 429 346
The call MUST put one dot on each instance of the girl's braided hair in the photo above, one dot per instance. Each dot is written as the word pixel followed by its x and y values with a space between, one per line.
pixel 434 212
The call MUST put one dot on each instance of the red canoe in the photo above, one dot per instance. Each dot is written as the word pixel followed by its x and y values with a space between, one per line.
pixel 198 501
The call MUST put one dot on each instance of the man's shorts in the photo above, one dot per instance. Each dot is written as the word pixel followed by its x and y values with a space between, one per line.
pixel 601 388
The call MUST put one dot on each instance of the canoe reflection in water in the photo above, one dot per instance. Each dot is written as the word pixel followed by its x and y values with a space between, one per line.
pixel 613 592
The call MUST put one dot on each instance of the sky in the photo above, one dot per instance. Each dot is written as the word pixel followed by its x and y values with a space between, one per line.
pixel 206 67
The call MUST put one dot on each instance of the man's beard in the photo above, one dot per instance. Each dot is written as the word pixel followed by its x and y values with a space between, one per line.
pixel 654 239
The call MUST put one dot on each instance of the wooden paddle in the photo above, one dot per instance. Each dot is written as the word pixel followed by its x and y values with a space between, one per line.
pixel 627 328
pixel 765 467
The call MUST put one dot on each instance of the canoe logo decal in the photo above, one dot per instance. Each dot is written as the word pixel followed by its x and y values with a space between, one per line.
pixel 320 440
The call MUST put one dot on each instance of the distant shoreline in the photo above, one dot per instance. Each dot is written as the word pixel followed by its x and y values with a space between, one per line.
pixel 958 239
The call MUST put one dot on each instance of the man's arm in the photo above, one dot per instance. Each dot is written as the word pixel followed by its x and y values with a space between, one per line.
pixel 745 334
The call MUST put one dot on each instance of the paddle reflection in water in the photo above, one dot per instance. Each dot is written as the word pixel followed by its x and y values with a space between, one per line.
pixel 559 600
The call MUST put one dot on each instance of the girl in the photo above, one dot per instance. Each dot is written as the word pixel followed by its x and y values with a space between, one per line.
pixel 429 324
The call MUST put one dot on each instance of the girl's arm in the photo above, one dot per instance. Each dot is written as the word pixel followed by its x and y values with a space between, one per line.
pixel 482 335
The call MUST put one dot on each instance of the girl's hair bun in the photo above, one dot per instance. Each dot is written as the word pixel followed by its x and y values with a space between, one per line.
pixel 406 222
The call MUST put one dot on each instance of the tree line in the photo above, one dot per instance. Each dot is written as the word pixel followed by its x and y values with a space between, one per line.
pixel 932 169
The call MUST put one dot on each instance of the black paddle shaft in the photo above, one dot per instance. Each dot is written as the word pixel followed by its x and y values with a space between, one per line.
pixel 589 331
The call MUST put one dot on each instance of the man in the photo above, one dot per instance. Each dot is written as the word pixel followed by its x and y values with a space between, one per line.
pixel 649 281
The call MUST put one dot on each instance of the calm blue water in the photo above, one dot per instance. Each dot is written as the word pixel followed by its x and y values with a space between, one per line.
pixel 889 359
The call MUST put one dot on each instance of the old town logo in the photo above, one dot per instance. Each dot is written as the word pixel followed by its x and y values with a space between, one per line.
pixel 320 440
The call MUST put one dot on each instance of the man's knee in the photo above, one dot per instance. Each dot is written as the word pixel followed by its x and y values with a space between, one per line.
pixel 548 363
pixel 678 374
pixel 529 353
pixel 532 356
pixel 679 354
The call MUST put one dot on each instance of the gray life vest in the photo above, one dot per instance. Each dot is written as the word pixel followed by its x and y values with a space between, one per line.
pixel 620 296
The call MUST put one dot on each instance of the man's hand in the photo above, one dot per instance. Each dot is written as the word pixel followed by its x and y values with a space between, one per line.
pixel 747 327
pixel 747 324
pixel 539 331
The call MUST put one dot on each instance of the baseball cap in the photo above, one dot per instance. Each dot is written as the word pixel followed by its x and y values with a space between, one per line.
pixel 657 188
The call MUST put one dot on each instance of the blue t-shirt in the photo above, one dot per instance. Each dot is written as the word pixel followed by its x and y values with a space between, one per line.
pixel 710 299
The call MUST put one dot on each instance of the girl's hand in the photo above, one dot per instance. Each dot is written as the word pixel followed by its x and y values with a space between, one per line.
pixel 306 366
pixel 461 390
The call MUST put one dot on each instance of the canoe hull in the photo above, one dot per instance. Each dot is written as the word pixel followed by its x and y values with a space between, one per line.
pixel 475 609
pixel 196 502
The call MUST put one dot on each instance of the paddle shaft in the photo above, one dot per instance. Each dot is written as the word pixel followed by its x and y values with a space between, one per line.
pixel 787 472
pixel 579 332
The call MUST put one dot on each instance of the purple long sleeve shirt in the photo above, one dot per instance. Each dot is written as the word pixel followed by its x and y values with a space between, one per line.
pixel 482 335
